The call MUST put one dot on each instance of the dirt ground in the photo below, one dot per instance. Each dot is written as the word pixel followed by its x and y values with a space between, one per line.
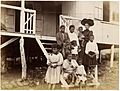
pixel 109 80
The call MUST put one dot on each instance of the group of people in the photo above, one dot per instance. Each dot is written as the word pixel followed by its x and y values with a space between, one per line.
pixel 72 55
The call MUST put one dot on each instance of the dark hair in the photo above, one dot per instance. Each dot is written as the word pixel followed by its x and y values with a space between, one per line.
pixel 80 27
pixel 68 54
pixel 71 26
pixel 92 35
pixel 55 45
pixel 73 42
pixel 62 26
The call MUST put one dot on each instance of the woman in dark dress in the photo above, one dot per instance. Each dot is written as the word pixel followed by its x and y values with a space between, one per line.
pixel 87 33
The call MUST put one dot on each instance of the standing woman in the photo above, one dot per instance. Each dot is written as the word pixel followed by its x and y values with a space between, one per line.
pixel 87 33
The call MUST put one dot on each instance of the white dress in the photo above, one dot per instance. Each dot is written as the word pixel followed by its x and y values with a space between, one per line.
pixel 81 70
pixel 53 74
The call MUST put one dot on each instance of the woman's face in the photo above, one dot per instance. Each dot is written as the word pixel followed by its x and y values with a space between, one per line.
pixel 87 26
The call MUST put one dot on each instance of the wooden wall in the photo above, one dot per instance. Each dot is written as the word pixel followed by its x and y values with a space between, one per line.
pixel 47 18
pixel 105 32
pixel 8 19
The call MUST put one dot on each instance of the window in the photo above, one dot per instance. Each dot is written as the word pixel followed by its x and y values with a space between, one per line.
pixel 98 13
pixel 115 16
pixel 106 11
pixel 99 10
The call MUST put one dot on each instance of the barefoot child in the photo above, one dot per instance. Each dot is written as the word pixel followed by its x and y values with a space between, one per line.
pixel 81 74
pixel 91 52
pixel 54 63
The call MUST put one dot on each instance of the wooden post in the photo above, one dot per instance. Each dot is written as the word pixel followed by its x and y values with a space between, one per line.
pixel 96 73
pixel 22 16
pixel 22 52
pixel 100 56
pixel 23 60
pixel 112 56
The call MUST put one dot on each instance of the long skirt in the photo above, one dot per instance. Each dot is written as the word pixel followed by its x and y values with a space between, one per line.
pixel 53 75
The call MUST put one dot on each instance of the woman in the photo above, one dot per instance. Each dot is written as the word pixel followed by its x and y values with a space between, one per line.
pixel 87 33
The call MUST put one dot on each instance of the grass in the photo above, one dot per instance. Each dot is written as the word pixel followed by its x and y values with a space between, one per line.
pixel 109 81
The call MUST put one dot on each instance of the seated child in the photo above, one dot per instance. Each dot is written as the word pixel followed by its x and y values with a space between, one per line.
pixel 54 63
pixel 81 74
pixel 81 36
pixel 69 67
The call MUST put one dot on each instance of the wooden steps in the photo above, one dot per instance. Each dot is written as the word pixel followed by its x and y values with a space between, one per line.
pixel 48 44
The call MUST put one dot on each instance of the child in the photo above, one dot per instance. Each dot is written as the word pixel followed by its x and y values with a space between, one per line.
pixel 62 37
pixel 91 52
pixel 73 35
pixel 67 48
pixel 69 68
pixel 81 74
pixel 74 49
pixel 81 36
pixel 54 63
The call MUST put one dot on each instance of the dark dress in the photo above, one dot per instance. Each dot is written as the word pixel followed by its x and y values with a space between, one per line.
pixel 82 56
pixel 91 60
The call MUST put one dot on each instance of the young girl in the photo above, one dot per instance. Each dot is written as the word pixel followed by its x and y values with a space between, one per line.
pixel 54 63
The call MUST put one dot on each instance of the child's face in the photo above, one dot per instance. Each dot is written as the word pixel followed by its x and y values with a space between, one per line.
pixel 91 38
pixel 72 29
pixel 55 50
pixel 69 57
pixel 75 43
pixel 80 29
pixel 62 29
pixel 80 62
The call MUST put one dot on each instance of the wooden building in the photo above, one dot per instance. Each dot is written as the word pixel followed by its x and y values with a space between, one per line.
pixel 36 23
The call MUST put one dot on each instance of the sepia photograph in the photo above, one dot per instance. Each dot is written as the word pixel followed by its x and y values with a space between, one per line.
pixel 59 45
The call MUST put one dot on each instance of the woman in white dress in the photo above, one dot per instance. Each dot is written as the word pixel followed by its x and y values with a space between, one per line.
pixel 54 63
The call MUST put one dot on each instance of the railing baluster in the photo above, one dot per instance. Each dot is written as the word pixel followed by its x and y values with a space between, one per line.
pixel 34 22
pixel 30 22
pixel 27 22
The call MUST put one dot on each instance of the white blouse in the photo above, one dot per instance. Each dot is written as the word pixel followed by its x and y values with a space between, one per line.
pixel 91 46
